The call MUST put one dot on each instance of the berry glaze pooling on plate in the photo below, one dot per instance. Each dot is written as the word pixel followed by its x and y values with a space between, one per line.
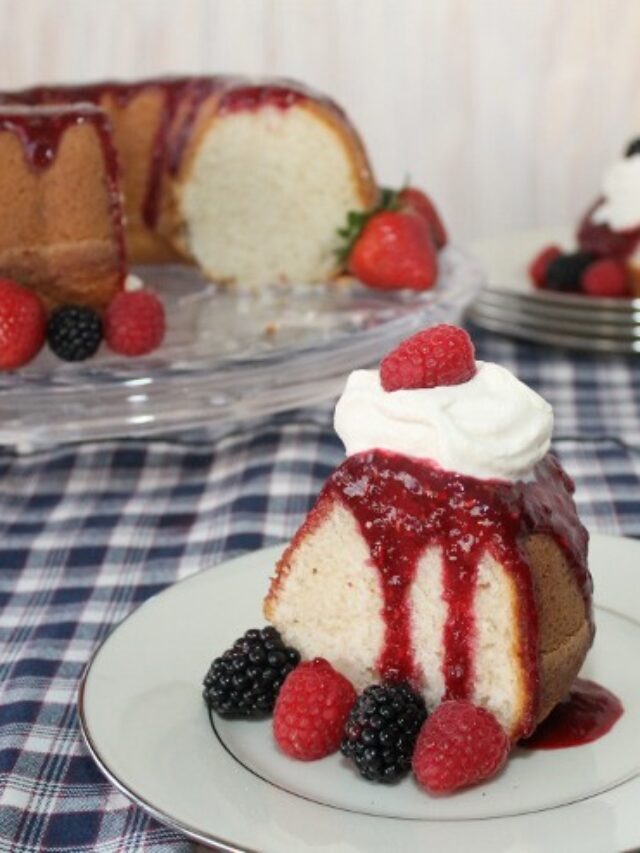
pixel 588 713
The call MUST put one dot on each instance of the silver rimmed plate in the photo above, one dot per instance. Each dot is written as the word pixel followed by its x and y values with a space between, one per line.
pixel 229 355
pixel 145 723
pixel 510 304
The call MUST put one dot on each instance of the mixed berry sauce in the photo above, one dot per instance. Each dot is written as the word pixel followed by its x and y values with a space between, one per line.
pixel 405 505
pixel 40 132
pixel 601 240
pixel 255 97
pixel 588 713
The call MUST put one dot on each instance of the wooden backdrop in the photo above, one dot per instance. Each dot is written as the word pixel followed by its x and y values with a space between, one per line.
pixel 507 110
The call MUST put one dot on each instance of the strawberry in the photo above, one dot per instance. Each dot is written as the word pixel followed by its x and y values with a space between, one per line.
pixel 442 355
pixel 395 250
pixel 607 277
pixel 413 199
pixel 134 323
pixel 460 744
pixel 311 710
pixel 22 324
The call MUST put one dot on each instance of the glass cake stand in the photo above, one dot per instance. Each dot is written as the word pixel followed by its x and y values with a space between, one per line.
pixel 229 355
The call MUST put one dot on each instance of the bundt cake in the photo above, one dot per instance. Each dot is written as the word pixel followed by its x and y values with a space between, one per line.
pixel 61 231
pixel 446 550
pixel 248 180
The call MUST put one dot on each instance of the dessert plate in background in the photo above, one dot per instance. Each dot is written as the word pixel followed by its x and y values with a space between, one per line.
pixel 146 725
pixel 228 355
pixel 512 306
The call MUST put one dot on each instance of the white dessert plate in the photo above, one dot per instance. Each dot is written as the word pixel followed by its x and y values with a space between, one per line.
pixel 229 355
pixel 145 723
pixel 511 305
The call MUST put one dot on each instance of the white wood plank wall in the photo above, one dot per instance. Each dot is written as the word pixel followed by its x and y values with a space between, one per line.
pixel 507 110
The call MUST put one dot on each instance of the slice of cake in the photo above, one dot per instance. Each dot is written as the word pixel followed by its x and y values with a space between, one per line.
pixel 446 550
pixel 62 232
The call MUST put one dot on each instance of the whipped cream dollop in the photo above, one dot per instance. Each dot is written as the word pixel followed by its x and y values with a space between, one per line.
pixel 620 208
pixel 491 427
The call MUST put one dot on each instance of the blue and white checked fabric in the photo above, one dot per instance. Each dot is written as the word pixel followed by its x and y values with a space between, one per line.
pixel 87 533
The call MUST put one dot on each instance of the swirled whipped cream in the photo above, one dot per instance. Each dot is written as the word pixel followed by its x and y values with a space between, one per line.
pixel 620 208
pixel 491 427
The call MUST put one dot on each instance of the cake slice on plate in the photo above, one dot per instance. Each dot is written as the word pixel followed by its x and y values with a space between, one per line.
pixel 446 550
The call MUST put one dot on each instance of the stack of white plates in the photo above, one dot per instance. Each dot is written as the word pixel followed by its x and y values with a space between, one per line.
pixel 511 305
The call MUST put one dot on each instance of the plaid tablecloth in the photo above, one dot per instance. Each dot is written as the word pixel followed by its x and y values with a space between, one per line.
pixel 87 533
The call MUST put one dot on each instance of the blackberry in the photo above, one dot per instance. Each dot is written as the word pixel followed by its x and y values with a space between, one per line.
pixel 74 332
pixel 245 680
pixel 633 148
pixel 564 273
pixel 382 729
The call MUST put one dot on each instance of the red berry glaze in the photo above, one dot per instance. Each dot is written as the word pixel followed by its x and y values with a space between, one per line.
pixel 395 250
pixel 419 202
pixel 442 355
pixel 404 506
pixel 311 710
pixel 539 265
pixel 600 239
pixel 22 325
pixel 587 714
pixel 607 277
pixel 135 323
pixel 460 744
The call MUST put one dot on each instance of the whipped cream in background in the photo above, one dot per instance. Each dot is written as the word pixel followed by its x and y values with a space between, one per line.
pixel 620 209
pixel 491 427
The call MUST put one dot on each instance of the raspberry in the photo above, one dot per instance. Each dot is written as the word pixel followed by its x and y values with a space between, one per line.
pixel 135 323
pixel 74 332
pixel 460 744
pixel 245 680
pixel 311 710
pixel 382 729
pixel 22 324
pixel 607 277
pixel 539 265
pixel 442 355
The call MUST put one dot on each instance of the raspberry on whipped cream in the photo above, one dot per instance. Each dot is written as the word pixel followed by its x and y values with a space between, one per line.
pixel 490 427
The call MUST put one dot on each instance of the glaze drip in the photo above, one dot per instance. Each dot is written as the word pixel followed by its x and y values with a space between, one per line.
pixel 173 91
pixel 255 97
pixel 404 505
pixel 40 131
